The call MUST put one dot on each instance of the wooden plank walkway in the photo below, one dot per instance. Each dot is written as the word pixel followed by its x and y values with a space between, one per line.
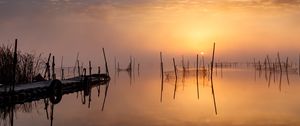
pixel 47 89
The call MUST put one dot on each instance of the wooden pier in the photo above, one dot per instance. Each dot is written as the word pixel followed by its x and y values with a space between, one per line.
pixel 52 89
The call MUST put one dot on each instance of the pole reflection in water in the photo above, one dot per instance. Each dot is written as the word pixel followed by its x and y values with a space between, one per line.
pixel 105 95
pixel 161 89
pixel 186 106
pixel 45 100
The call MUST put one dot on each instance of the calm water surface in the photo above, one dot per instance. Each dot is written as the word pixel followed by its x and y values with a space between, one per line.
pixel 243 97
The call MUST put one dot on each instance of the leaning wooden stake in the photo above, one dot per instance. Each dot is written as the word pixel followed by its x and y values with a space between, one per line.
pixel 212 62
pixel 106 67
pixel 175 69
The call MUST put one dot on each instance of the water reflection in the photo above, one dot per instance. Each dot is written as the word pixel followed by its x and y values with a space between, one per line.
pixel 234 99
pixel 12 106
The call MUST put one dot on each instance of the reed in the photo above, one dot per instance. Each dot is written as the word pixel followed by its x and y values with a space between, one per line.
pixel 16 66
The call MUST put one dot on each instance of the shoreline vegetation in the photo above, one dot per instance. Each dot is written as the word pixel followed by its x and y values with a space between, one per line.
pixel 28 66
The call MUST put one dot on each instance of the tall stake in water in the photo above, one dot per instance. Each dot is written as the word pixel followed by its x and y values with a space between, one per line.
pixel 175 70
pixel 279 62
pixel 53 69
pixel 106 67
pixel 211 78
pixel 286 70
pixel 268 60
pixel 162 76
pixel 61 67
pixel 90 68
pixel 197 76
pixel 75 64
pixel 47 71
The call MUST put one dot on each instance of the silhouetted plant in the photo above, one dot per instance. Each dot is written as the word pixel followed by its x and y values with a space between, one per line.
pixel 27 66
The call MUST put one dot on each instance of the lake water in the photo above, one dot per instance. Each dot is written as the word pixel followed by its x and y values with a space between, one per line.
pixel 243 97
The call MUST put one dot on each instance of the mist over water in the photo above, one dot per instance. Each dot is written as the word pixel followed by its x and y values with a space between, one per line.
pixel 246 90
pixel 241 29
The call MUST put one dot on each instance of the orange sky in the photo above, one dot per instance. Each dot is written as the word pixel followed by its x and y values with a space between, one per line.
pixel 241 28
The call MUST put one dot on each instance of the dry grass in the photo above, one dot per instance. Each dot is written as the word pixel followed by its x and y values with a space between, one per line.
pixel 26 69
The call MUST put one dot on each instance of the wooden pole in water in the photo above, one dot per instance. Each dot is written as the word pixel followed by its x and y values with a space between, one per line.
pixel 188 65
pixel 78 68
pixel 299 64
pixel 61 67
pixel 203 66
pixel 197 76
pixel 175 69
pixel 211 79
pixel 47 71
pixel 265 64
pixel 162 77
pixel 133 65
pixel 138 69
pixel 53 68
pixel 286 64
pixel 118 66
pixel 268 60
pixel 74 70
pixel 99 70
pixel 197 68
pixel 279 62
pixel 286 68
pixel 212 61
pixel 183 66
pixel 15 65
pixel 115 59
pixel 90 68
pixel 161 66
pixel 254 63
pixel 106 67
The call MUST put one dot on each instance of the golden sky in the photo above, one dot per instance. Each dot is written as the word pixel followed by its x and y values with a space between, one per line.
pixel 183 27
